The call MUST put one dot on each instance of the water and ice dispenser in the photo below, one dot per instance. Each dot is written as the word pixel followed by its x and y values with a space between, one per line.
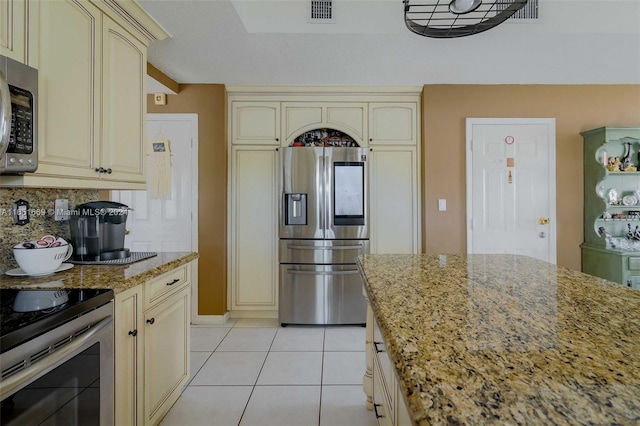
pixel 295 209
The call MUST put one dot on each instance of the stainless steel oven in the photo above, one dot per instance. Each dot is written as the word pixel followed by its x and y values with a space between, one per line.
pixel 57 362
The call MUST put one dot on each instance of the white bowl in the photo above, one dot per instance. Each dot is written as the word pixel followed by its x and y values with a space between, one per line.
pixel 37 300
pixel 40 261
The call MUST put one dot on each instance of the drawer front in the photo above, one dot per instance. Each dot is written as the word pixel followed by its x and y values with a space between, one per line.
pixel 381 402
pixel 164 285
pixel 382 356
pixel 634 263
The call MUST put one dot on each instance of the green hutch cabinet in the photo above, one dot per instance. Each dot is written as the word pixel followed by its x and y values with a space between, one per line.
pixel 612 204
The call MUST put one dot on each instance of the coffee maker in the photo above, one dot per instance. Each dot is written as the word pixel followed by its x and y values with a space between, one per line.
pixel 97 231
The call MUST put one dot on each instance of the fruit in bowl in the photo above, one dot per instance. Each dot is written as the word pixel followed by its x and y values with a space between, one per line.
pixel 37 259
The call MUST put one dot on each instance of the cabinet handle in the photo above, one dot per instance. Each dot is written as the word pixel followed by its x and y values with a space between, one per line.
pixel 370 139
pixel 108 171
pixel 375 346
pixel 99 169
pixel 277 139
pixel 174 281
pixel 151 321
pixel 133 333
pixel 375 409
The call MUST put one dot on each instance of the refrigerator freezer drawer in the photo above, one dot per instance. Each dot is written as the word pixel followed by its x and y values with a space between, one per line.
pixel 321 294
pixel 322 251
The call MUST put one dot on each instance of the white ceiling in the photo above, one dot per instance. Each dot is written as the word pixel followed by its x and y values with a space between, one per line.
pixel 270 42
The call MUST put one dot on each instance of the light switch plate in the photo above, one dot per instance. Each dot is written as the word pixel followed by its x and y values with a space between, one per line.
pixel 442 205
pixel 61 209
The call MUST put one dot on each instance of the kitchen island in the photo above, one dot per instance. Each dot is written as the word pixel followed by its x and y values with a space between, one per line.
pixel 503 339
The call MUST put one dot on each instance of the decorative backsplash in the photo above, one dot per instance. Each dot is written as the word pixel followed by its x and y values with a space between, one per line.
pixel 40 216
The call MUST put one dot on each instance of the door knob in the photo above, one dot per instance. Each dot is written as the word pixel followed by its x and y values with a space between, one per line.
pixel 542 235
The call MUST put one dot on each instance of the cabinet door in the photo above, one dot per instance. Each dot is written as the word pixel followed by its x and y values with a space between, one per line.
pixel 349 118
pixel 66 53
pixel 254 237
pixel 124 68
pixel 299 117
pixel 128 356
pixel 255 123
pixel 393 123
pixel 13 35
pixel 394 200
pixel 166 359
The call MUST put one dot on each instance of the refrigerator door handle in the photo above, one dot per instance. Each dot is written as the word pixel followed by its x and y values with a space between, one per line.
pixel 347 272
pixel 299 247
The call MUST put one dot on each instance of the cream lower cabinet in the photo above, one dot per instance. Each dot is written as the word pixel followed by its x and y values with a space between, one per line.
pixel 253 229
pixel 384 394
pixel 13 29
pixel 152 341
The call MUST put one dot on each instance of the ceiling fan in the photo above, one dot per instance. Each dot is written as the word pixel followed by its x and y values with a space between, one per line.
pixel 457 18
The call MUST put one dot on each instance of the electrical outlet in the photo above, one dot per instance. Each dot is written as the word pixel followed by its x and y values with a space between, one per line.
pixel 61 209
pixel 20 212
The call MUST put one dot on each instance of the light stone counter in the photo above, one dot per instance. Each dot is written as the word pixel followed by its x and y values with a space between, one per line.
pixel 505 339
pixel 116 277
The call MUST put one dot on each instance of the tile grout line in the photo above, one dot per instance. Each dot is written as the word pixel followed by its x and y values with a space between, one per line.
pixel 253 388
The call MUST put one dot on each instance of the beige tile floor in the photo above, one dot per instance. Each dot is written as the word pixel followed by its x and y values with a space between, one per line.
pixel 253 372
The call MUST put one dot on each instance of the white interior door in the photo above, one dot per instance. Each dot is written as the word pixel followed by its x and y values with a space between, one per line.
pixel 511 187
pixel 167 225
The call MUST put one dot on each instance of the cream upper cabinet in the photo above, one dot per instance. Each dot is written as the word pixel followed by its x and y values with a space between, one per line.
pixel 393 123
pixel 255 123
pixel 68 95
pixel 299 117
pixel 13 29
pixel 122 148
pixel 92 97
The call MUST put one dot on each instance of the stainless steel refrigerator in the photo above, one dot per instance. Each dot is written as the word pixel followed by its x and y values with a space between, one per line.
pixel 324 226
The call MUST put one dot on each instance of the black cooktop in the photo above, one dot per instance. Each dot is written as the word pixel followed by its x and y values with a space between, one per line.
pixel 19 327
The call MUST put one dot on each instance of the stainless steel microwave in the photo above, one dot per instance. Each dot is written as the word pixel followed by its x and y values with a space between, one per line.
pixel 18 117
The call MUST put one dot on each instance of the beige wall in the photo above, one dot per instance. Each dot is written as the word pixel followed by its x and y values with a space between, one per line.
pixel 575 107
pixel 208 101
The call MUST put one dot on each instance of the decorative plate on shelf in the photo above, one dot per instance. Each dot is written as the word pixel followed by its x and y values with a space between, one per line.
pixel 629 200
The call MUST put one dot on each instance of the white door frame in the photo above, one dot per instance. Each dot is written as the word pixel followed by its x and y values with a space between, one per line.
pixel 551 125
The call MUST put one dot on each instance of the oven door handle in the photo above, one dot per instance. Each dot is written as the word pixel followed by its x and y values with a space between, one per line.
pixel 5 114
pixel 13 382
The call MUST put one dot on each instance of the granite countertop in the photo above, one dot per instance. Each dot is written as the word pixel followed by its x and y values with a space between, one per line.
pixel 506 339
pixel 116 277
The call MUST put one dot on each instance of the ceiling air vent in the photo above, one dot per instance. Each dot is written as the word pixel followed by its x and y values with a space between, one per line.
pixel 528 11
pixel 321 12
